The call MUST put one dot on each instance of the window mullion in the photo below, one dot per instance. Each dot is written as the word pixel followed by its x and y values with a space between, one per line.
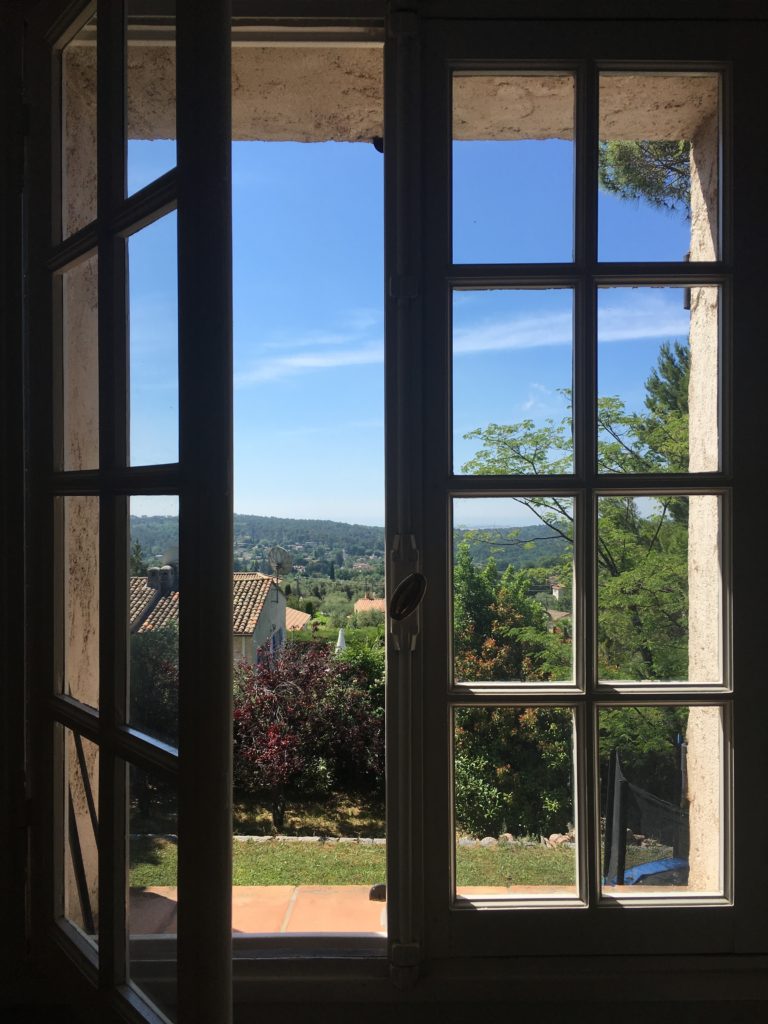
pixel 205 510
pixel 112 451
pixel 585 463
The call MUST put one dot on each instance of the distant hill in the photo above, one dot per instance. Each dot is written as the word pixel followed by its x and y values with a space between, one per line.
pixel 157 533
pixel 349 537
pixel 522 546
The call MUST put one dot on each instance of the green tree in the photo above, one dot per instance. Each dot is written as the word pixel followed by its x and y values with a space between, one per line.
pixel 641 552
pixel 138 559
pixel 657 172
pixel 337 608
pixel 512 765
pixel 641 555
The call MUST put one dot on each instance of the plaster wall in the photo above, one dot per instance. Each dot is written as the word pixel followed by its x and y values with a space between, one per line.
pixel 80 656
pixel 79 449
pixel 705 727
pixel 272 618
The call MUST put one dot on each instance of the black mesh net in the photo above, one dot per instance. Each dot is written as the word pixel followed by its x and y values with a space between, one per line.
pixel 658 832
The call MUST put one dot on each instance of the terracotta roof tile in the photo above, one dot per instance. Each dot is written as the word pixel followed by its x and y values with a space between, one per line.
pixel 249 592
pixel 294 619
pixel 165 613
pixel 371 604
pixel 141 599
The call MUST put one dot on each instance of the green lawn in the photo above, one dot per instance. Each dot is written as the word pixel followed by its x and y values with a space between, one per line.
pixel 153 862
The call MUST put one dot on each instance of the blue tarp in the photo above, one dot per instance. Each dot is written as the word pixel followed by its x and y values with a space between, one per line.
pixel 653 867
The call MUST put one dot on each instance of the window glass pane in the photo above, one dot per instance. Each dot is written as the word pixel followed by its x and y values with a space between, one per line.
pixel 658 373
pixel 514 805
pixel 154 336
pixel 513 589
pixel 661 800
pixel 659 606
pixel 151 87
pixel 81 833
pixel 512 376
pixel 154 617
pixel 659 166
pixel 79 581
pixel 79 395
pixel 308 631
pixel 152 886
pixel 78 130
pixel 513 168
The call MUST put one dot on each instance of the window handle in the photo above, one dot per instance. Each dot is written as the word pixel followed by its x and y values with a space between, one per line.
pixel 407 596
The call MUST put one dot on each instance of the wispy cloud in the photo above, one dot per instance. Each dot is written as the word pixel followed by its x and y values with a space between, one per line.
pixel 355 340
pixel 302 362
pixel 358 342
pixel 541 398
pixel 633 321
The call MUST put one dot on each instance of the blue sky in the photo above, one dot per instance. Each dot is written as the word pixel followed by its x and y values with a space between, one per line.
pixel 308 314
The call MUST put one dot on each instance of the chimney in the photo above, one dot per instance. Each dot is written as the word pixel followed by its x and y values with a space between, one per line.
pixel 153 577
pixel 167 580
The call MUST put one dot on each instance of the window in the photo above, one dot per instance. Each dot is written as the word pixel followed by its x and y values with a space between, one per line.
pixel 558 295
pixel 513 280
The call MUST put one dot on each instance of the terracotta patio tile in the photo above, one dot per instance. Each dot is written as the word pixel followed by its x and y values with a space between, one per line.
pixel 335 908
pixel 152 911
pixel 260 908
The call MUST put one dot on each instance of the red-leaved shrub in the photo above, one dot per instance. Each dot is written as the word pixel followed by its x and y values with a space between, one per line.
pixel 305 720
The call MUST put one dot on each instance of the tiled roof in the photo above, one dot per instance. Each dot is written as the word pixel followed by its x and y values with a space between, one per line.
pixel 371 604
pixel 141 599
pixel 249 592
pixel 165 613
pixel 294 619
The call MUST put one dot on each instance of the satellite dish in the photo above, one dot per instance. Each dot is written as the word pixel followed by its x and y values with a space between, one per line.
pixel 280 560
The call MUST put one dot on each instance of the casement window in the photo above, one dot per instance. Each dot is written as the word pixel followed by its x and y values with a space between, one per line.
pixel 463 96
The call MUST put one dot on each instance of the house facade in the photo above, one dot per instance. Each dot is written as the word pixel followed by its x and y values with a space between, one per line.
pixel 258 609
